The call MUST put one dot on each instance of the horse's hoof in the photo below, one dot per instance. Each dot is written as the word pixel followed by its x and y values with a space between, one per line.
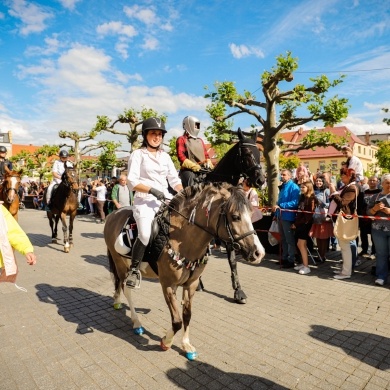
pixel 240 297
pixel 139 331
pixel 118 306
pixel 66 250
pixel 192 355
pixel 163 346
pixel 54 241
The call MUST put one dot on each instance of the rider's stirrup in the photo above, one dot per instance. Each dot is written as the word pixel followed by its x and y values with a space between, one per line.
pixel 134 279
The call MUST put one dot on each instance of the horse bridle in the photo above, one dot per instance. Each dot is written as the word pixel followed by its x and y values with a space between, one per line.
pixel 233 241
pixel 7 190
pixel 255 164
pixel 69 183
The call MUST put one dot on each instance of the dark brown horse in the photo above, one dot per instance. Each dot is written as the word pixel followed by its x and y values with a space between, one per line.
pixel 201 211
pixel 64 201
pixel 9 191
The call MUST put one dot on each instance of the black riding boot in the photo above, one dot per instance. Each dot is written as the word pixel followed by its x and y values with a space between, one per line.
pixel 137 254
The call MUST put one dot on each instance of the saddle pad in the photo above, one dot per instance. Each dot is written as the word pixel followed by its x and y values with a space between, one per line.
pixel 157 244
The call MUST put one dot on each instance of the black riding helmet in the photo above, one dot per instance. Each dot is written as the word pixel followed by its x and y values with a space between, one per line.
pixel 3 149
pixel 153 124
pixel 64 153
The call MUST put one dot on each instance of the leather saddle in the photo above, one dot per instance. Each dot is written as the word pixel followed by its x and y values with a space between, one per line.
pixel 158 238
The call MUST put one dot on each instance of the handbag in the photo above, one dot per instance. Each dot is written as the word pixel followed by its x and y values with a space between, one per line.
pixel 319 215
pixel 273 233
pixel 346 226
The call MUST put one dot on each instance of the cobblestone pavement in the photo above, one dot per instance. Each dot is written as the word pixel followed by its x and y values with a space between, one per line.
pixel 295 332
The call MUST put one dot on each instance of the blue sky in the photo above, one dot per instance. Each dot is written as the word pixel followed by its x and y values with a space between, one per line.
pixel 64 62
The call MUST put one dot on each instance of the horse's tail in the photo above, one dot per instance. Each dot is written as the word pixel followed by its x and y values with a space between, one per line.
pixel 113 270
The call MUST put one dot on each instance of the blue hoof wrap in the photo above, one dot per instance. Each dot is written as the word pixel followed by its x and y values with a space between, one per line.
pixel 191 355
pixel 138 331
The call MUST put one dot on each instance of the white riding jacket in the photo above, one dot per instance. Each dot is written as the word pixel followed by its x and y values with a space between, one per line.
pixel 59 167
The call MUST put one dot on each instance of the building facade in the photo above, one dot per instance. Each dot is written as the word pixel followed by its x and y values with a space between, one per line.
pixel 329 159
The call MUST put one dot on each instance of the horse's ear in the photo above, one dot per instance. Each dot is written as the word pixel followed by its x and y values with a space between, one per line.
pixel 6 169
pixel 20 173
pixel 240 135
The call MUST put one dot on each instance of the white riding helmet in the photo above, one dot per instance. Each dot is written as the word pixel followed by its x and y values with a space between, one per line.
pixel 120 245
pixel 192 126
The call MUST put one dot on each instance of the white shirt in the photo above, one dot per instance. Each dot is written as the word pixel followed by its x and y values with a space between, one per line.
pixel 152 171
pixel 253 198
pixel 357 166
pixel 101 192
pixel 59 166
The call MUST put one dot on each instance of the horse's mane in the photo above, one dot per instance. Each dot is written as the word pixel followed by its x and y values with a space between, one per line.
pixel 236 202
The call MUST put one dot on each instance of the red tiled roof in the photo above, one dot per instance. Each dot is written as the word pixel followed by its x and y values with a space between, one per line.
pixel 329 151
pixel 16 149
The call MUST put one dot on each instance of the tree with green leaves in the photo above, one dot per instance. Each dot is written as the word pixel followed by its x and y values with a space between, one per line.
pixel 386 120
pixel 133 118
pixel 79 150
pixel 279 110
pixel 38 161
pixel 107 160
pixel 383 155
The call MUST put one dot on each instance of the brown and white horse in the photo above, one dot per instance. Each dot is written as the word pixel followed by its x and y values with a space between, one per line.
pixel 202 211
pixel 9 191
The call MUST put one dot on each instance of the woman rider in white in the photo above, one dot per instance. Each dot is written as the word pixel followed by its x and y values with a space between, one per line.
pixel 57 171
pixel 149 172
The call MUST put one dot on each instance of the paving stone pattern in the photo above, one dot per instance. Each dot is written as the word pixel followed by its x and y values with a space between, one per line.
pixel 295 332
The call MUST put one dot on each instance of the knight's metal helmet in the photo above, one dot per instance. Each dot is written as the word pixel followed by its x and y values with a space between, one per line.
pixel 3 149
pixel 64 153
pixel 153 124
pixel 192 126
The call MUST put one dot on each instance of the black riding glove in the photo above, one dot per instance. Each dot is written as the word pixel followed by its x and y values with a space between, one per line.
pixel 158 194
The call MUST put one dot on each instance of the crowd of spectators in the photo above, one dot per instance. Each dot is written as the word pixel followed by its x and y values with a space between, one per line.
pixel 302 194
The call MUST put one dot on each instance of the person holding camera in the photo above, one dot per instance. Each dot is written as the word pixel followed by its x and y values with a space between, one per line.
pixel 379 206
pixel 149 172
pixel 101 191
pixel 345 201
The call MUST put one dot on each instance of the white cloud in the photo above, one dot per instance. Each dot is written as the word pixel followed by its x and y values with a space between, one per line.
pixel 240 51
pixel 145 15
pixel 122 49
pixel 116 28
pixel 69 4
pixel 53 44
pixel 17 128
pixel 150 43
pixel 83 84
pixel 32 16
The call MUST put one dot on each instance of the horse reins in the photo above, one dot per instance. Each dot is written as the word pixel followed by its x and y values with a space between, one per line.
pixel 69 183
pixel 234 242
pixel 6 190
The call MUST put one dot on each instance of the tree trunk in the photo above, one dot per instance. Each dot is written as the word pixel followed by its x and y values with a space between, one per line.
pixel 271 155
